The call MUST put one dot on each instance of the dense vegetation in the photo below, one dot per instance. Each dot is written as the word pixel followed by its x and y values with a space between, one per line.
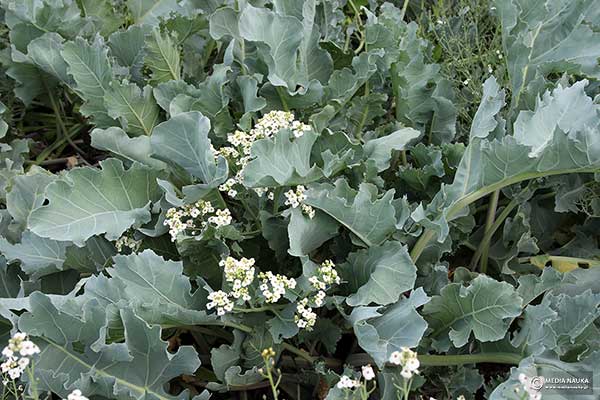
pixel 332 199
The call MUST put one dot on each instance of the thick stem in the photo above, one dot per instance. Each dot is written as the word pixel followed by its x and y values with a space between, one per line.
pixel 282 98
pixel 489 221
pixel 431 360
pixel 299 352
pixel 260 309
pixel 62 127
pixel 228 324
pixel 490 233
pixel 472 197
pixel 564 259
pixel 404 8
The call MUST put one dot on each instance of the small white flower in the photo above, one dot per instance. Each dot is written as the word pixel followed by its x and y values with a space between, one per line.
pixel 274 286
pixel 367 372
pixel 76 395
pixel 305 318
pixel 220 300
pixel 412 364
pixel 23 362
pixel 406 374
pixel 308 210
pixel 396 358
pixel 222 218
pixel 408 360
pixel 15 373
pixel 347 383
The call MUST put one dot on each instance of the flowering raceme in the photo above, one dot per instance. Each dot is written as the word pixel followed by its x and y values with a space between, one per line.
pixel 240 274
pixel 220 300
pixel 408 360
pixel 325 277
pixel 76 395
pixel 17 354
pixel 127 242
pixel 359 388
pixel 241 144
pixel 295 199
pixel 193 218
pixel 273 286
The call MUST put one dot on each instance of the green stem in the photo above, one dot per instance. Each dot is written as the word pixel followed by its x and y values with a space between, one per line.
pixel 490 233
pixel 489 222
pixel 299 352
pixel 271 381
pixel 429 360
pixel 260 309
pixel 404 8
pixel 235 325
pixel 32 381
pixel 228 324
pixel 546 257
pixel 62 140
pixel 282 98
pixel 16 391
pixel 276 195
pixel 434 360
pixel 403 157
pixel 356 12
pixel 472 197
pixel 365 113
pixel 62 127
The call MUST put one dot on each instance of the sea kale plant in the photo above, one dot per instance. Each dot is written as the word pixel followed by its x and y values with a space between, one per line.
pixel 298 198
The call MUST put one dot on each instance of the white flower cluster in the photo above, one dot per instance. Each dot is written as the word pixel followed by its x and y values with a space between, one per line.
pixel 195 217
pixel 295 198
pixel 461 397
pixel 325 277
pixel 367 372
pixel 274 121
pixel 76 395
pixel 346 382
pixel 273 286
pixel 305 317
pixel 17 354
pixel 533 391
pixel 240 273
pixel 241 143
pixel 127 242
pixel 228 187
pixel 220 300
pixel 408 360
pixel 261 191
pixel 221 218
